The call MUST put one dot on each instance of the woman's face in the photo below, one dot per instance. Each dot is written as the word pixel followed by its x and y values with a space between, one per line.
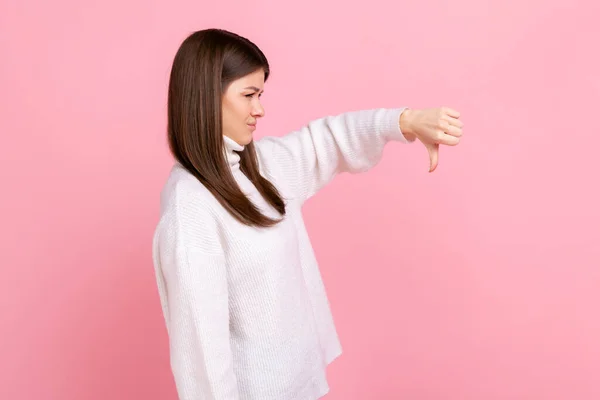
pixel 241 107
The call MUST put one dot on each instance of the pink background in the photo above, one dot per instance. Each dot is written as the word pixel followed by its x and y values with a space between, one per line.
pixel 440 286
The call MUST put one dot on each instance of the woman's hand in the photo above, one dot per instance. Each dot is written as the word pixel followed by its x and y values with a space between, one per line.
pixel 432 126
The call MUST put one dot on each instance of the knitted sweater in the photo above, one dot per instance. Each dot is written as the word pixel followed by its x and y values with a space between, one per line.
pixel 245 308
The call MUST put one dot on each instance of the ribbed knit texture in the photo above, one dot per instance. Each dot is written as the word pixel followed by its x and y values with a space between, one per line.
pixel 245 308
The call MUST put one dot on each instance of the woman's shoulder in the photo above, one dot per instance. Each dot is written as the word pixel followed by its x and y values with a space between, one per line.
pixel 273 157
pixel 277 160
pixel 189 217
pixel 183 192
pixel 187 211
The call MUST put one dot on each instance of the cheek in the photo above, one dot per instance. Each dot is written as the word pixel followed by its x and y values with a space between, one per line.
pixel 244 110
pixel 238 111
pixel 226 111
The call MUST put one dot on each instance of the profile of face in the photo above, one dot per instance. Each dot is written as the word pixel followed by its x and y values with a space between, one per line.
pixel 241 107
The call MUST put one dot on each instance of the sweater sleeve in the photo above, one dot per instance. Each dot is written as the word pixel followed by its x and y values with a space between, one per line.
pixel 195 285
pixel 309 158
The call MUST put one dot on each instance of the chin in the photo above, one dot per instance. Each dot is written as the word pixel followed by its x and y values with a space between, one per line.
pixel 246 140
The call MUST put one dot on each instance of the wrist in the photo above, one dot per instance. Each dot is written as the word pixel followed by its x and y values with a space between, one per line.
pixel 406 125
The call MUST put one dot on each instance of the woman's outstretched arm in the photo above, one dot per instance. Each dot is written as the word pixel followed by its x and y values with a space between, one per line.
pixel 309 158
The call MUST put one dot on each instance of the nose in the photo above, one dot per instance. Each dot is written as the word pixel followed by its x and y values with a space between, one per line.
pixel 258 110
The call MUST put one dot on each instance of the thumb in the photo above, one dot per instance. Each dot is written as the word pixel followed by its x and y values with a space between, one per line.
pixel 433 150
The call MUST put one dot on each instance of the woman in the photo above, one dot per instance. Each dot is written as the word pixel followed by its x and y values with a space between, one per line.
pixel 243 300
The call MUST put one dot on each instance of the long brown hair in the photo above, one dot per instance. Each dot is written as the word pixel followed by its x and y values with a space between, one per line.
pixel 205 64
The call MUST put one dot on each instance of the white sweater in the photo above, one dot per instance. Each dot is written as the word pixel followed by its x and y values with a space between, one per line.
pixel 245 308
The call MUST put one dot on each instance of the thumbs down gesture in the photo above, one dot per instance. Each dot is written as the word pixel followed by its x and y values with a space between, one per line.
pixel 432 127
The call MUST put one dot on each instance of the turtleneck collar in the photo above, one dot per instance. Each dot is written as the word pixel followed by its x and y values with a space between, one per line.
pixel 231 149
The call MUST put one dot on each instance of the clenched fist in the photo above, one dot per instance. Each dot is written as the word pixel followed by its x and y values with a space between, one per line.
pixel 432 126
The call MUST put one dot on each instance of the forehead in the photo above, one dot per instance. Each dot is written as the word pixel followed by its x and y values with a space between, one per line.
pixel 256 79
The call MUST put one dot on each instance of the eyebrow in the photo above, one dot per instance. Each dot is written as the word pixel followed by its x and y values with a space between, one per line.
pixel 253 88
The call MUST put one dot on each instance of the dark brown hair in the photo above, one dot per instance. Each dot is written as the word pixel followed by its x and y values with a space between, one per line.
pixel 205 64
